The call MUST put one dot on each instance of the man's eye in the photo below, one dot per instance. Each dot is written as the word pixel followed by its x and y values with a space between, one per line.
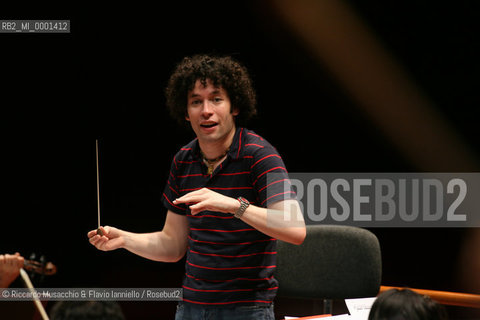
pixel 196 102
pixel 217 99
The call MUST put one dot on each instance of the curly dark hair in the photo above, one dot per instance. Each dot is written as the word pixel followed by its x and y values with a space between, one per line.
pixel 224 72
pixel 405 304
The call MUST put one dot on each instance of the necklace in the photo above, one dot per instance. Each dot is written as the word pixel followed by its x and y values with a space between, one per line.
pixel 210 163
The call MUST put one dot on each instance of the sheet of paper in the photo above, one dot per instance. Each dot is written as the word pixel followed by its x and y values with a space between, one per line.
pixel 360 308
pixel 337 317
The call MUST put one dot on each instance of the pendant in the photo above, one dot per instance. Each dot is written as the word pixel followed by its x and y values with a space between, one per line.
pixel 210 169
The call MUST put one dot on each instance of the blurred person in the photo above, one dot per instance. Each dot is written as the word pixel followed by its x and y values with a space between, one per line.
pixel 406 304
pixel 86 310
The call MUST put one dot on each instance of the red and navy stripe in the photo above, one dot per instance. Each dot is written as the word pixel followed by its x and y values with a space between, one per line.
pixel 229 262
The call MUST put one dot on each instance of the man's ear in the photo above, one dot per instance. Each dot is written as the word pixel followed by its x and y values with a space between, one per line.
pixel 235 112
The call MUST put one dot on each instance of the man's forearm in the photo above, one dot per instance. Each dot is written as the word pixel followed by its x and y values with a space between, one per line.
pixel 283 222
pixel 156 246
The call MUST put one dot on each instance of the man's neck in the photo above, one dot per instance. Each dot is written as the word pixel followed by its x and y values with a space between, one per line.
pixel 214 149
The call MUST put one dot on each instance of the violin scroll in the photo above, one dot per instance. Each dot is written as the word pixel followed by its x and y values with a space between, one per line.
pixel 46 269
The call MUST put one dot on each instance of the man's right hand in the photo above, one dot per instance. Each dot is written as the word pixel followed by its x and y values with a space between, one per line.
pixel 168 245
pixel 111 239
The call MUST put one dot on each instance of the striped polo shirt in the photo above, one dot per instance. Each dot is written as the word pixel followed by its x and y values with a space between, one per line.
pixel 228 262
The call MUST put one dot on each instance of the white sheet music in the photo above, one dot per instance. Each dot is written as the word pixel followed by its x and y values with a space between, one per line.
pixel 337 317
pixel 360 308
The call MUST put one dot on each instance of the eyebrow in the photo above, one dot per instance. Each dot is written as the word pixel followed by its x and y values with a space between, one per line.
pixel 216 91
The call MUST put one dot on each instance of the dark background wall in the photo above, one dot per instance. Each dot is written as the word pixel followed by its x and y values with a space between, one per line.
pixel 105 80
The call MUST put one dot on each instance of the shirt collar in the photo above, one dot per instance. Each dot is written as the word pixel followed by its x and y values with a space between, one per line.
pixel 236 148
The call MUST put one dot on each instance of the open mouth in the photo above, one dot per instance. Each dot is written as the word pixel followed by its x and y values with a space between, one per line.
pixel 209 125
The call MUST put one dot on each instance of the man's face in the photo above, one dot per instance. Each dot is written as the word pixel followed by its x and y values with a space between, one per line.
pixel 209 112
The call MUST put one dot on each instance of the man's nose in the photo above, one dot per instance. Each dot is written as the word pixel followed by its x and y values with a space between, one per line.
pixel 207 109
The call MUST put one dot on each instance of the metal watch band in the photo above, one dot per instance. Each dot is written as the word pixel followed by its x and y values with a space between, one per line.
pixel 243 206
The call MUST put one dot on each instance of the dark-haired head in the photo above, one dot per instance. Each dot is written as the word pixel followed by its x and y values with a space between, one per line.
pixel 86 310
pixel 406 304
pixel 223 72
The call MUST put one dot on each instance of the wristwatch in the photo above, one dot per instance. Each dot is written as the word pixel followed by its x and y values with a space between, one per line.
pixel 243 206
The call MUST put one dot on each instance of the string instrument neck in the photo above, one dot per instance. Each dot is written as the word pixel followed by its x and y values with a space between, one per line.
pixel 47 268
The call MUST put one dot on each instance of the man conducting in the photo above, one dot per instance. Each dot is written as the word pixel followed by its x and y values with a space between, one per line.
pixel 223 211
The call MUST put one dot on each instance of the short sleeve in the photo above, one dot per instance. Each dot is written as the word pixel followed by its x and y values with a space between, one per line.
pixel 270 177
